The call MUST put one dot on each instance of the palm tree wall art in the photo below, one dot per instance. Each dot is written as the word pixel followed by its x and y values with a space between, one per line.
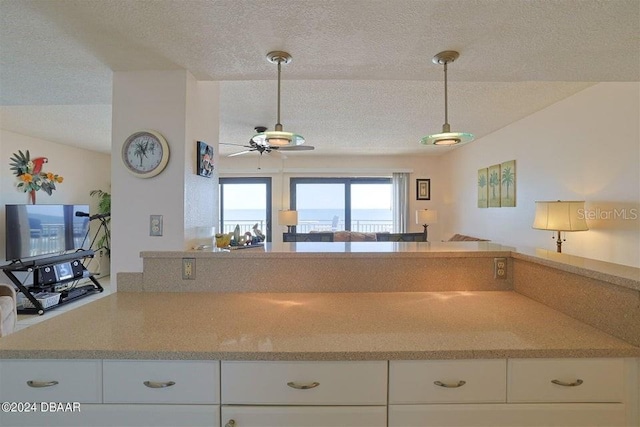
pixel 497 185
pixel 482 188
pixel 508 184
pixel 494 186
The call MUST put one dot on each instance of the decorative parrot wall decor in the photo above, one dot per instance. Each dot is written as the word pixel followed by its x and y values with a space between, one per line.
pixel 31 177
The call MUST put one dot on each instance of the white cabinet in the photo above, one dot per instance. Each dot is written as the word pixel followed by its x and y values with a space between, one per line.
pixel 137 393
pixel 189 390
pixel 566 380
pixel 447 381
pixel 508 415
pixel 160 381
pixel 304 416
pixel 304 394
pixel 517 392
pixel 534 392
pixel 103 415
pixel 304 383
pixel 51 381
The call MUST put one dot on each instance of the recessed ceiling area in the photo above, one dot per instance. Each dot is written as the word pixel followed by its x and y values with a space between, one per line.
pixel 361 80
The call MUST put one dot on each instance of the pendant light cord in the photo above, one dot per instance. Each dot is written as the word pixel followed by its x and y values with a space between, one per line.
pixel 279 70
pixel 446 102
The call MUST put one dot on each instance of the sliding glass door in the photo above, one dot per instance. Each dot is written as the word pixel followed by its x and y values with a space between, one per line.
pixel 335 204
pixel 245 202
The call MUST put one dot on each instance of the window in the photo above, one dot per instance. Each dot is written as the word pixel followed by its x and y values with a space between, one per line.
pixel 245 202
pixel 333 204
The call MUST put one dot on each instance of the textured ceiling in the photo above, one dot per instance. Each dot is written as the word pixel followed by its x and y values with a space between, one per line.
pixel 361 80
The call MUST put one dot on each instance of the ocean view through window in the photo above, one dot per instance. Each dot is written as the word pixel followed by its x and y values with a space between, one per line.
pixel 336 204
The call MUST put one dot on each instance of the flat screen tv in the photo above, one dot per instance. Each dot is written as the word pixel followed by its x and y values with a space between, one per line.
pixel 37 230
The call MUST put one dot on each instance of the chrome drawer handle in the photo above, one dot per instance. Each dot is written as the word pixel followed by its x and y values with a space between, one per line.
pixel 305 386
pixel 231 423
pixel 41 384
pixel 564 384
pixel 456 385
pixel 156 384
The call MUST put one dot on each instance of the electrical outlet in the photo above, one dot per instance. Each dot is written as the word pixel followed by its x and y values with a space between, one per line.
pixel 188 268
pixel 499 268
pixel 155 225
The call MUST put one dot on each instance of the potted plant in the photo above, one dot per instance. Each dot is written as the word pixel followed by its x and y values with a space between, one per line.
pixel 104 207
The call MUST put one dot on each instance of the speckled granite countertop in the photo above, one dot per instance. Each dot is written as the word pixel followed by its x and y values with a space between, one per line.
pixel 313 326
pixel 617 274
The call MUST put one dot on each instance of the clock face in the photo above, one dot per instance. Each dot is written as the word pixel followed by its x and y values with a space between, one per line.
pixel 145 154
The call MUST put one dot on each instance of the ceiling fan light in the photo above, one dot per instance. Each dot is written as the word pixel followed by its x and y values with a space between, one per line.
pixel 447 138
pixel 278 139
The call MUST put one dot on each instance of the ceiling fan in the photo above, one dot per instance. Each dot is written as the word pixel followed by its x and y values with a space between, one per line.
pixel 266 148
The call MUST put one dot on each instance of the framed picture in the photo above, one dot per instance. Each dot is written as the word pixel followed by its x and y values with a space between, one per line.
pixel 205 159
pixel 508 184
pixel 494 186
pixel 423 189
pixel 483 185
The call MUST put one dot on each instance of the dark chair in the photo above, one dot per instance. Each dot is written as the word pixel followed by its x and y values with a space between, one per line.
pixel 400 237
pixel 307 237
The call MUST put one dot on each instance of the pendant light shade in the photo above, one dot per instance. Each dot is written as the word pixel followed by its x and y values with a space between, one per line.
pixel 278 137
pixel 446 137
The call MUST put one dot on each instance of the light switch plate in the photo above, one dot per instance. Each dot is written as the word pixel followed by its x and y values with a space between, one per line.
pixel 155 225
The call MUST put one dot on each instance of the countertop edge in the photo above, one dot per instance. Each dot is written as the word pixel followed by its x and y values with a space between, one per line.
pixel 323 356
pixel 626 282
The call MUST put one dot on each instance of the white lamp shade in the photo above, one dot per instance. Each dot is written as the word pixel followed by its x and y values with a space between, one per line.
pixel 426 216
pixel 560 216
pixel 288 217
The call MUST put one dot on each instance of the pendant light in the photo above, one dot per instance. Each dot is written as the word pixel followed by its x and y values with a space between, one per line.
pixel 278 137
pixel 446 137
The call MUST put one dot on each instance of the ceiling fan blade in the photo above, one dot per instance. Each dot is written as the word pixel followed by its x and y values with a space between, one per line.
pixel 236 145
pixel 297 148
pixel 240 153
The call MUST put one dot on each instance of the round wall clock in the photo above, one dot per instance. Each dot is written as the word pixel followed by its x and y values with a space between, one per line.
pixel 145 153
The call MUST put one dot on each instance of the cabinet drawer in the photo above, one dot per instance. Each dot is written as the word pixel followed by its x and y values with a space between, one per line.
pixel 506 415
pixel 304 416
pixel 53 381
pixel 566 380
pixel 155 381
pixel 305 383
pixel 447 381
pixel 98 415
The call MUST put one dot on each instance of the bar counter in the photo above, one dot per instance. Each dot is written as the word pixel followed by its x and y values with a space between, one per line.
pixel 313 326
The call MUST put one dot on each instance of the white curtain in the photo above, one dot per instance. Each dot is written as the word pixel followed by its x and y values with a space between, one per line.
pixel 400 184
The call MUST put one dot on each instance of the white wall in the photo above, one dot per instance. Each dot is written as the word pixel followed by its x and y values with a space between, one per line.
pixel 83 171
pixel 174 104
pixel 303 165
pixel 585 147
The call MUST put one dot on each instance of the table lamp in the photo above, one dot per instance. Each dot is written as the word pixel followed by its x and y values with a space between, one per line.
pixel 426 217
pixel 560 216
pixel 289 218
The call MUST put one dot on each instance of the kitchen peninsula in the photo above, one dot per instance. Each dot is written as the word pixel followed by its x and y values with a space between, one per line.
pixel 381 315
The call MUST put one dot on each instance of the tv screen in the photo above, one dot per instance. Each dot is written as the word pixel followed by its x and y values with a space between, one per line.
pixel 36 230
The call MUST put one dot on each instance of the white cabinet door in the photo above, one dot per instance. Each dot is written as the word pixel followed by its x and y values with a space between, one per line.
pixel 448 381
pixel 161 381
pixel 566 380
pixel 304 416
pixel 51 381
pixel 508 415
pixel 304 383
pixel 96 415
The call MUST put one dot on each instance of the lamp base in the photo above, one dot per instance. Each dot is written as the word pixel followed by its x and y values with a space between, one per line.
pixel 426 233
pixel 559 243
pixel 290 229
